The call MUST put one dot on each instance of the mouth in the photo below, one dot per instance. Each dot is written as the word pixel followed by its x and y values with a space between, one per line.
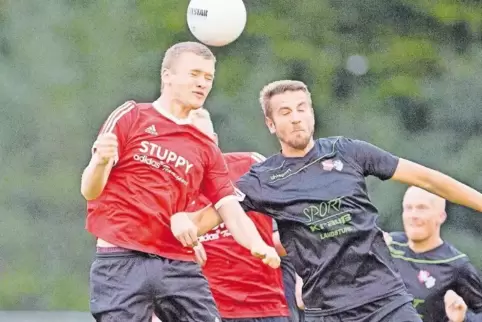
pixel 199 94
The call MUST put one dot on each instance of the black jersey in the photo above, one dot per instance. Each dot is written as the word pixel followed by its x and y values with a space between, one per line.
pixel 327 223
pixel 430 274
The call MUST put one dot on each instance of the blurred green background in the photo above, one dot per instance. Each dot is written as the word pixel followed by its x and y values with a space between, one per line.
pixel 402 74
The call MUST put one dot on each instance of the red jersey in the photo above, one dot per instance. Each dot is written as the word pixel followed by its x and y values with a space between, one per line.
pixel 242 286
pixel 163 164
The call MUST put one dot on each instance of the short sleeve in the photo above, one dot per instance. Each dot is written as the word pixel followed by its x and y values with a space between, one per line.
pixel 469 287
pixel 119 123
pixel 249 192
pixel 216 185
pixel 372 160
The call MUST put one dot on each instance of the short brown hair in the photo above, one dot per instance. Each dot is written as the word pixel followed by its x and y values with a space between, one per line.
pixel 185 47
pixel 279 87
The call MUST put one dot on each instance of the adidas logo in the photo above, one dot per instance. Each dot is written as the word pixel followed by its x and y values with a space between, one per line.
pixel 151 130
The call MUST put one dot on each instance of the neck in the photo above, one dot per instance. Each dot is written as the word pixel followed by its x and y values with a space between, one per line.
pixel 173 106
pixel 291 152
pixel 425 245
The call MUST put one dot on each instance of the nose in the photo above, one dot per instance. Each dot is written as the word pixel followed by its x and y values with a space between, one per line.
pixel 201 82
pixel 295 117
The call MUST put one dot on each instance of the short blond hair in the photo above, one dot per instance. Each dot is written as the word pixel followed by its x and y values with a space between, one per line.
pixel 178 49
pixel 279 87
pixel 175 51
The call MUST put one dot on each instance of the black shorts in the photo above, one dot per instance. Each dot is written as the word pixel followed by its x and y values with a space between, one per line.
pixel 267 319
pixel 392 309
pixel 130 286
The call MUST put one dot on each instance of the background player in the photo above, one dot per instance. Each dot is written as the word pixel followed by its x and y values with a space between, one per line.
pixel 317 193
pixel 148 163
pixel 429 265
pixel 243 288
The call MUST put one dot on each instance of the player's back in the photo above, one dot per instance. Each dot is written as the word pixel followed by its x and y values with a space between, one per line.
pixel 160 169
pixel 242 286
pixel 429 275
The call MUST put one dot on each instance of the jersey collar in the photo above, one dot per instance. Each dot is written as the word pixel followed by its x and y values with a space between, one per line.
pixel 157 106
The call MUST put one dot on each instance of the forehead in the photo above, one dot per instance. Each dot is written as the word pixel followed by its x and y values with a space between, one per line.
pixel 288 99
pixel 191 61
pixel 417 197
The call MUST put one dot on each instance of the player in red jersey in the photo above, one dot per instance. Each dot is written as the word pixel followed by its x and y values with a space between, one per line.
pixel 149 163
pixel 243 288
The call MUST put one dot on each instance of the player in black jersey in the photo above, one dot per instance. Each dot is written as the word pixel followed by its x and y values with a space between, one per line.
pixel 316 191
pixel 429 265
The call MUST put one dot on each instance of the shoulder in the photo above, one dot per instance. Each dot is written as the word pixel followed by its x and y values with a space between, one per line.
pixel 264 164
pixel 399 237
pixel 452 254
pixel 244 157
pixel 127 108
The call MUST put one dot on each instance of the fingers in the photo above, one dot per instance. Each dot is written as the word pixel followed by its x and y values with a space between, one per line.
pixel 106 145
pixel 200 254
pixel 187 238
pixel 453 300
pixel 271 261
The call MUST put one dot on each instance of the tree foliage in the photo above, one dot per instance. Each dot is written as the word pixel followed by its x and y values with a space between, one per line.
pixel 65 65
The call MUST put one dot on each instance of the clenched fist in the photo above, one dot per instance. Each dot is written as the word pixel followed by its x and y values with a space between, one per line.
pixel 267 254
pixel 105 148
pixel 184 229
pixel 455 307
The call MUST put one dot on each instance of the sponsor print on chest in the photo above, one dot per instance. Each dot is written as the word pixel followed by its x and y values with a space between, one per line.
pixel 161 152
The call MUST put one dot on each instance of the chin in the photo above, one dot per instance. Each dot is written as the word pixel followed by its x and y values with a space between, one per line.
pixel 416 237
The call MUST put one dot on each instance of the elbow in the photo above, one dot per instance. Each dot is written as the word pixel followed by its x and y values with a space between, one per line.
pixel 89 194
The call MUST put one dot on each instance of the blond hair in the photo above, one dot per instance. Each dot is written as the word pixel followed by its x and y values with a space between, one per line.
pixel 175 51
pixel 279 87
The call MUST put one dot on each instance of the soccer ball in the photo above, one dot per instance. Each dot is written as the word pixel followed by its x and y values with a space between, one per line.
pixel 216 22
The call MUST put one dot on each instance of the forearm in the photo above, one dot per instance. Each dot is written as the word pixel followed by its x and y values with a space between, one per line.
pixel 239 224
pixel 277 244
pixel 94 179
pixel 205 219
pixel 453 190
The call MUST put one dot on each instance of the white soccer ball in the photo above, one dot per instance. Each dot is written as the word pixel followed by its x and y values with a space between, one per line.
pixel 216 22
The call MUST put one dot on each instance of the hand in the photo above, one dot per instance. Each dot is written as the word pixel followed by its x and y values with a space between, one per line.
pixel 200 254
pixel 268 254
pixel 105 148
pixel 388 238
pixel 455 307
pixel 298 293
pixel 184 229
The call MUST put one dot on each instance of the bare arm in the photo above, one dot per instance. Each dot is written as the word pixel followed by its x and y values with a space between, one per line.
pixel 239 224
pixel 205 219
pixel 97 172
pixel 299 293
pixel 438 183
pixel 277 244
pixel 94 178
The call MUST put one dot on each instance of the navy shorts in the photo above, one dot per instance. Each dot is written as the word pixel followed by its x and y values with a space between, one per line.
pixel 393 309
pixel 267 319
pixel 131 286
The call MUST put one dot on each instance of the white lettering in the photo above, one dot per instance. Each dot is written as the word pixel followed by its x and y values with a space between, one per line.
pixel 145 147
pixel 162 154
pixel 217 232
